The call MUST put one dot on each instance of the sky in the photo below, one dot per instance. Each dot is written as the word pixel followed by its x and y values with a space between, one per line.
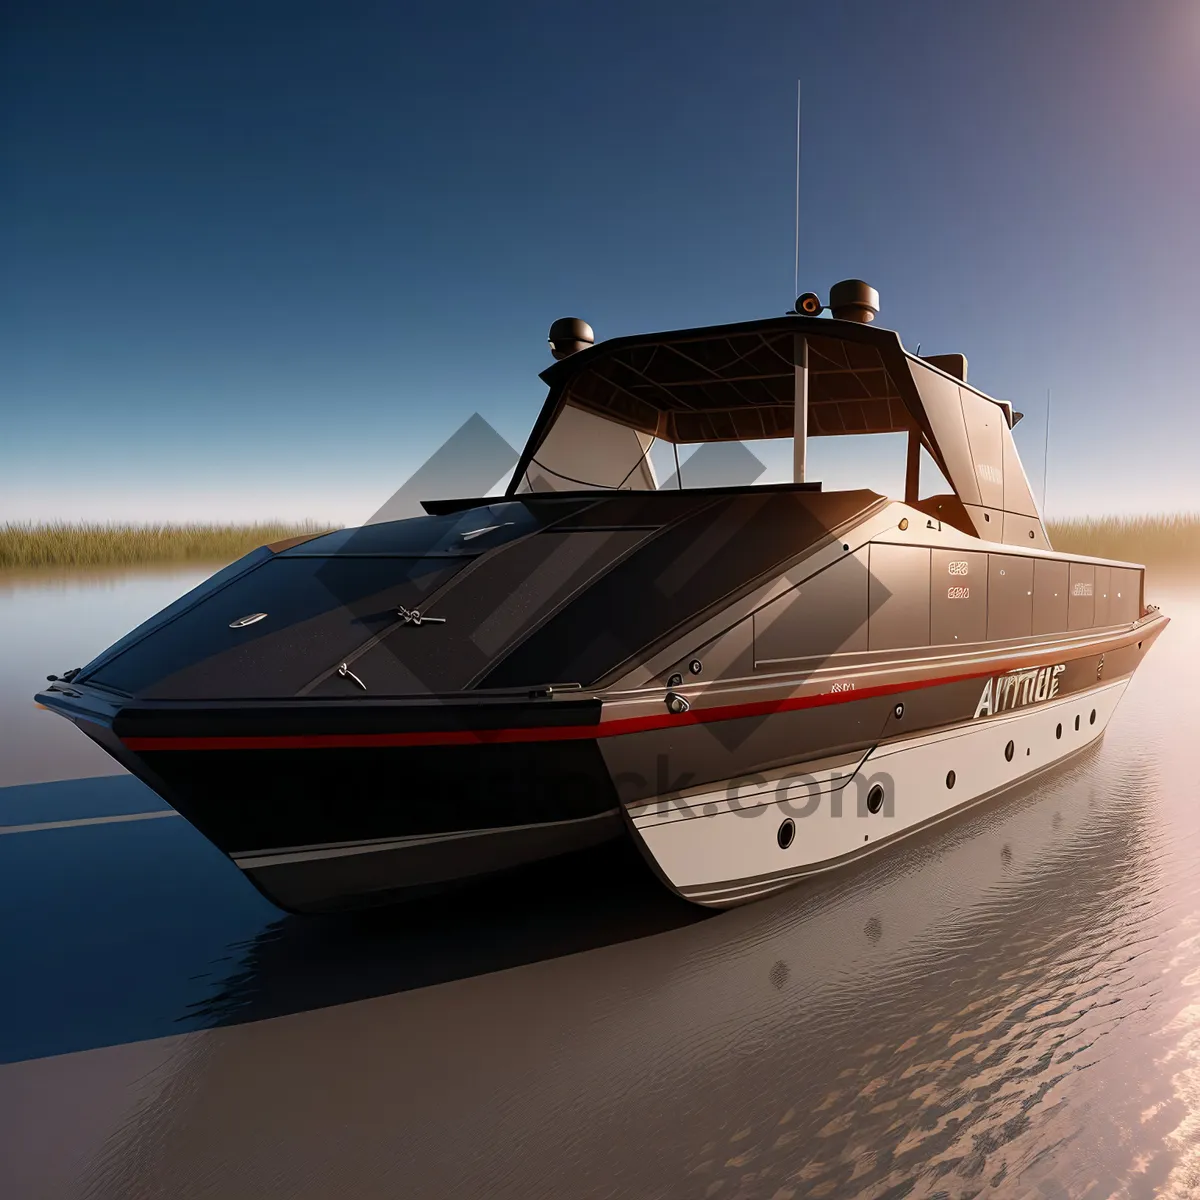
pixel 260 260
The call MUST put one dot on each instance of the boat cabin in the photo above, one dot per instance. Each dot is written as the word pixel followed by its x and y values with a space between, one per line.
pixel 793 376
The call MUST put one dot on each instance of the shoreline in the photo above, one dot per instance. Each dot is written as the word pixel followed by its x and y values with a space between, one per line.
pixel 84 546
pixel 1164 543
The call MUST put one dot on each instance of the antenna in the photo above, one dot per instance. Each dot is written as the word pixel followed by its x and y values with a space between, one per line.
pixel 796 282
pixel 1046 454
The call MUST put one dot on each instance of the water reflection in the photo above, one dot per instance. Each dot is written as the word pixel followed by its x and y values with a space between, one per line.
pixel 52 620
pixel 938 1025
pixel 594 898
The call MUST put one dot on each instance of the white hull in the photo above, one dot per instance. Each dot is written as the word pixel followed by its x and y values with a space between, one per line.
pixel 723 846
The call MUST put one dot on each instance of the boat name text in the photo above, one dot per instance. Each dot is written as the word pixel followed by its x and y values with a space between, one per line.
pixel 1017 688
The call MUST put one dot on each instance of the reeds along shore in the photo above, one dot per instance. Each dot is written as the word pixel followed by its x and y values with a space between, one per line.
pixel 24 546
pixel 1166 543
pixel 1161 542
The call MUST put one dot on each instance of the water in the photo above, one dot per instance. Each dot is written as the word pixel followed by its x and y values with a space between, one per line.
pixel 1009 1006
pixel 51 621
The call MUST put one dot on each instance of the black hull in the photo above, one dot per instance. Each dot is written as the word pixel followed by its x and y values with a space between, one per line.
pixel 345 878
pixel 330 829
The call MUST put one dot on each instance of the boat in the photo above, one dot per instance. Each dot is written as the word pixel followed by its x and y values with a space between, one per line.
pixel 756 682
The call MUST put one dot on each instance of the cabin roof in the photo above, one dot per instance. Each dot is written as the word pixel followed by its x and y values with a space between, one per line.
pixel 737 382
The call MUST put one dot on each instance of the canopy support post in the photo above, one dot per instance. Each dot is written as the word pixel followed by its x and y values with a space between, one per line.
pixel 912 470
pixel 800 420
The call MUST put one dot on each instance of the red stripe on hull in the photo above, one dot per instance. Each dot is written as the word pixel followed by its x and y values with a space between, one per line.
pixel 539 733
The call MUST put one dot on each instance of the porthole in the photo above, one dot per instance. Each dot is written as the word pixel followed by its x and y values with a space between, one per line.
pixel 1058 731
pixel 787 831
pixel 1009 751
pixel 875 799
pixel 1077 723
pixel 898 711
pixel 903 522
pixel 695 666
pixel 950 778
pixel 1092 718
pixel 987 516
pixel 845 545
pixel 675 680
pixel 1031 533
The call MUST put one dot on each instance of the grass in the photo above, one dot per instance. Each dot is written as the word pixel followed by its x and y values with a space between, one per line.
pixel 1158 541
pixel 1163 541
pixel 64 544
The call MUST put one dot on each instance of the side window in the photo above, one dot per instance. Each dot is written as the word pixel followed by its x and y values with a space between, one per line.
pixel 582 450
pixel 932 481
pixel 866 460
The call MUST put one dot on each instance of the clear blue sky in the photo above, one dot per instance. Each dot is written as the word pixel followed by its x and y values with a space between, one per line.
pixel 261 259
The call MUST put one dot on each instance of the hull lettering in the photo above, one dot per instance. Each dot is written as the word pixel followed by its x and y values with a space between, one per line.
pixel 1015 689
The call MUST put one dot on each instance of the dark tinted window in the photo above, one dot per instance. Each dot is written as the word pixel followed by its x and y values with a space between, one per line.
pixel 701 561
pixel 318 610
pixel 210 585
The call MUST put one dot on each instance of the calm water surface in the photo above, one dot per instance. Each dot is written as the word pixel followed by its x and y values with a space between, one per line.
pixel 51 621
pixel 1007 1007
